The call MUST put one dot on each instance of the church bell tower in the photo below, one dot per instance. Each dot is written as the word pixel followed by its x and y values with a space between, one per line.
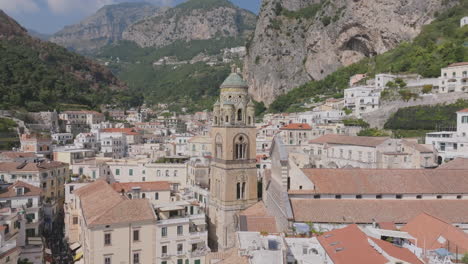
pixel 233 177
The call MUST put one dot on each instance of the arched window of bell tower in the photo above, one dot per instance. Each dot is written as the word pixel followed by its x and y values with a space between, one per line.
pixel 219 147
pixel 239 115
pixel 241 147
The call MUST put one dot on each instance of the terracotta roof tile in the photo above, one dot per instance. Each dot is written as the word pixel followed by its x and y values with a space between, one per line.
pixel 256 219
pixel 296 126
pixel 30 166
pixel 463 111
pixel 458 64
pixel 14 154
pixel 456 164
pixel 102 205
pixel 397 252
pixel 144 186
pixel 29 190
pixel 386 181
pixel 428 230
pixel 349 140
pixel 350 243
pixel 368 211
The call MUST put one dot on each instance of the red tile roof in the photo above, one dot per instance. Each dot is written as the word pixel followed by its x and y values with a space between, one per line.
pixel 386 181
pixel 30 166
pixel 350 245
pixel 431 231
pixel 463 111
pixel 397 252
pixel 29 190
pixel 456 164
pixel 14 154
pixel 458 64
pixel 349 140
pixel 128 131
pixel 368 211
pixel 144 186
pixel 257 219
pixel 296 126
pixel 102 205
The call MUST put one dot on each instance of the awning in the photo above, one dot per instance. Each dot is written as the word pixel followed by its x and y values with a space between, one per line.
pixel 78 256
pixel 75 246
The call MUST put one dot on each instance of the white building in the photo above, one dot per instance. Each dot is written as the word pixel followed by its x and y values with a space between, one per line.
pixel 87 141
pixel 62 138
pixel 320 117
pixel 451 144
pixel 362 99
pixel 114 146
pixel 454 78
pixel 411 80
pixel 464 21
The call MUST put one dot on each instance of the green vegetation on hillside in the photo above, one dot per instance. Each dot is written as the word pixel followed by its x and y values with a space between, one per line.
pixel 203 4
pixel 8 135
pixel 440 43
pixel 130 52
pixel 426 117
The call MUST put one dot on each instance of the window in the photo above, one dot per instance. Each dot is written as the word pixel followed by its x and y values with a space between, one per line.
pixel 240 148
pixel 107 239
pixel 164 250
pixel 464 119
pixel 164 232
pixel 75 220
pixel 143 195
pixel 418 196
pixel 459 197
pixel 358 196
pixel 238 193
pixel 117 171
pixel 439 196
pixel 317 196
pixel 136 235
pixel 338 196
pixel 107 260
pixel 167 173
pixel 180 249
pixel 399 196
pixel 180 261
pixel 180 230
pixel 239 115
pixel 156 196
pixel 378 196
pixel 130 172
pixel 175 173
pixel 158 173
pixel 136 258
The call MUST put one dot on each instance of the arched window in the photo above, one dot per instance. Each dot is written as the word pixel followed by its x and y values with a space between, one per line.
pixel 250 120
pixel 227 119
pixel 239 115
pixel 216 120
pixel 238 191
pixel 241 146
pixel 219 147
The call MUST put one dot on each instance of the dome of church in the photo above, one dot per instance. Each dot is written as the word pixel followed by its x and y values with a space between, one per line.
pixel 234 80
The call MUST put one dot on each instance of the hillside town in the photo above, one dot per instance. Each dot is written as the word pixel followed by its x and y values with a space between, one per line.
pixel 138 186
pixel 367 166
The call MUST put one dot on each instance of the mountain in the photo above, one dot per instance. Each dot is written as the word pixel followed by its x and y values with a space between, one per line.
pixel 192 20
pixel 180 57
pixel 439 44
pixel 104 27
pixel 297 41
pixel 38 75
pixel 38 35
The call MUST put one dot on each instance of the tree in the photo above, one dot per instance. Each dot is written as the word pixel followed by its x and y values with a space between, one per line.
pixel 465 258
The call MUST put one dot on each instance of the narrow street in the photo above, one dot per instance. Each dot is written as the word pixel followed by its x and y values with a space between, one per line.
pixel 54 238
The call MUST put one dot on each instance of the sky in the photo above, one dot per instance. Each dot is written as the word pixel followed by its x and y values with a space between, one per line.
pixel 49 16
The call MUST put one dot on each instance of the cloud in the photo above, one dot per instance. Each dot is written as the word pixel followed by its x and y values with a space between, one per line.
pixel 63 7
pixel 19 6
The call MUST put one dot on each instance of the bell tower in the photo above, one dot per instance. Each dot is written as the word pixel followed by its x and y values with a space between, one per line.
pixel 233 178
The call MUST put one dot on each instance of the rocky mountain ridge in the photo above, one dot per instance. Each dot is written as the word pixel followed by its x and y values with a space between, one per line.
pixel 104 27
pixel 297 41
pixel 192 20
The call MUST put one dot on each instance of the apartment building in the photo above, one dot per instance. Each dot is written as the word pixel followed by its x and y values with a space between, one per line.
pixel 451 144
pixel 36 143
pixel 182 233
pixel 199 146
pixel 50 176
pixel 296 133
pixel 142 170
pixel 339 151
pixel 87 141
pixel 20 216
pixel 62 138
pixel 454 78
pixel 112 228
pixel 362 99
pixel 80 121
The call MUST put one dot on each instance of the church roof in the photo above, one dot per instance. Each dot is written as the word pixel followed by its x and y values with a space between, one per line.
pixel 234 80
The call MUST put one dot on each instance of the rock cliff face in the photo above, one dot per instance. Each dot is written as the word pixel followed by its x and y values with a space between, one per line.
pixel 297 41
pixel 192 20
pixel 104 27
